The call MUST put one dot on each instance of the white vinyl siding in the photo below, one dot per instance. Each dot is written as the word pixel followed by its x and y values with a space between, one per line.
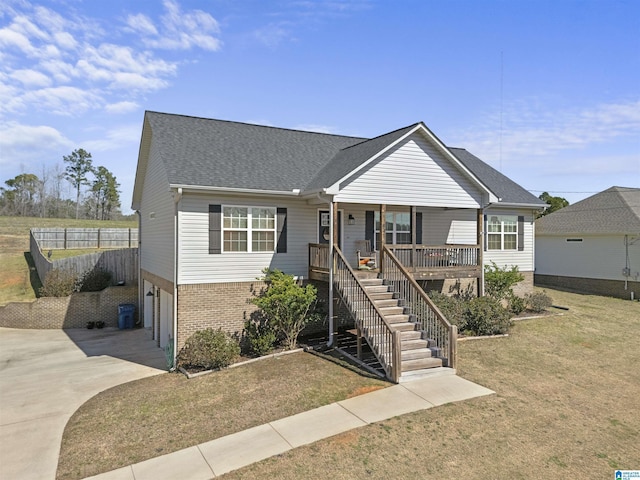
pixel 157 221
pixel 524 259
pixel 443 226
pixel 197 265
pixel 597 256
pixel 413 173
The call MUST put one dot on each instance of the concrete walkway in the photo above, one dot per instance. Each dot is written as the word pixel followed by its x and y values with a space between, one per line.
pixel 225 454
pixel 46 375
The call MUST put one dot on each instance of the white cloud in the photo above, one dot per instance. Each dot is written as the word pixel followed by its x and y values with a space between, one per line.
pixel 142 24
pixel 121 107
pixel 273 34
pixel 63 100
pixel 59 62
pixel 26 143
pixel 31 78
pixel 180 30
pixel 533 131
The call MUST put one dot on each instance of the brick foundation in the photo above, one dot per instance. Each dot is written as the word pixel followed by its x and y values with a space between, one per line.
pixel 69 312
pixel 594 286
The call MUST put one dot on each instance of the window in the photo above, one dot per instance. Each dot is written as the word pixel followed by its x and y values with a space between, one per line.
pixel 397 228
pixel 502 232
pixel 248 229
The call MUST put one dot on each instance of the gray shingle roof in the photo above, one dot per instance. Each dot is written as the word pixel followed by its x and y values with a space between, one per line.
pixel 205 152
pixel 218 153
pixel 615 210
pixel 502 186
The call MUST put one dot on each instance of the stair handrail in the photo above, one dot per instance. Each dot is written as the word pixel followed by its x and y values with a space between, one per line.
pixel 418 302
pixel 352 290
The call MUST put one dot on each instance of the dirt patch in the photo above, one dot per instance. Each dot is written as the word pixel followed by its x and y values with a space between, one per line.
pixel 365 389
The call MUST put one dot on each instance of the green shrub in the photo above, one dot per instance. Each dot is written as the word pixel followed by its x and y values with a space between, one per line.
pixel 452 307
pixel 539 301
pixel 286 305
pixel 94 280
pixel 486 316
pixel 517 305
pixel 499 282
pixel 208 349
pixel 260 337
pixel 59 283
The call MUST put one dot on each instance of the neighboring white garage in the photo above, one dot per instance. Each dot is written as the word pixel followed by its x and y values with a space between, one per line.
pixel 592 246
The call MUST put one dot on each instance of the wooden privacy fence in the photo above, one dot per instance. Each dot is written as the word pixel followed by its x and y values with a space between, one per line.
pixel 71 238
pixel 122 263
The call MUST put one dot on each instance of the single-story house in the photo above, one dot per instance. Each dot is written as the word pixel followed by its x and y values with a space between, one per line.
pixel 592 246
pixel 219 201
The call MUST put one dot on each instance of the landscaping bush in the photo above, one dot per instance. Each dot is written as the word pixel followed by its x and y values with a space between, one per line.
pixel 499 282
pixel 486 316
pixel 286 305
pixel 208 349
pixel 517 305
pixel 94 280
pixel 260 336
pixel 59 283
pixel 539 301
pixel 452 307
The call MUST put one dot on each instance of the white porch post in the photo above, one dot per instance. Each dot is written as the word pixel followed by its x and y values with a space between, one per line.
pixel 331 269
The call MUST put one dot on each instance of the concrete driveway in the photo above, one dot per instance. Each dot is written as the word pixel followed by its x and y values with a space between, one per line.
pixel 45 375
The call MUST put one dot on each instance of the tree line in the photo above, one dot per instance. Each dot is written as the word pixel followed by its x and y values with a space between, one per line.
pixel 96 190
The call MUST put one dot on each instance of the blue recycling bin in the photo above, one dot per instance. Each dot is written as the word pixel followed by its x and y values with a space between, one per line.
pixel 125 315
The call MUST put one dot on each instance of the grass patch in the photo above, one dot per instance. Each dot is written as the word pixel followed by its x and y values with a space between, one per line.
pixel 568 396
pixel 18 283
pixel 157 415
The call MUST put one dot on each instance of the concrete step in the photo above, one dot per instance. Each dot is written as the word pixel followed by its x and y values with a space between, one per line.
pixel 425 373
pixel 415 354
pixel 421 363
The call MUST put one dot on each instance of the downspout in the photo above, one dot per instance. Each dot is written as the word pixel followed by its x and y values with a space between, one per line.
pixel 177 198
pixel 140 280
pixel 330 342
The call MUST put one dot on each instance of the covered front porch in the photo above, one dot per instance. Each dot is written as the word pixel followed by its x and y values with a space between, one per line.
pixel 408 227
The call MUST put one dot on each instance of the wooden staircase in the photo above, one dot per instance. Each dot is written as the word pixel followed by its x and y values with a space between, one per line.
pixel 419 356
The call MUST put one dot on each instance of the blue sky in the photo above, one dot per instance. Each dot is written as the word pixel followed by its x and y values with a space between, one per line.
pixel 548 92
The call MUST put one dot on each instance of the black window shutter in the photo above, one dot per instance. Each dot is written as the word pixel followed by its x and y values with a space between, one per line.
pixel 520 233
pixel 419 228
pixel 215 228
pixel 369 227
pixel 281 218
pixel 486 233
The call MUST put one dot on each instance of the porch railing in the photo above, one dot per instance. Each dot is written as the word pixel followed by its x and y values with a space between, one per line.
pixel 418 303
pixel 384 341
pixel 436 256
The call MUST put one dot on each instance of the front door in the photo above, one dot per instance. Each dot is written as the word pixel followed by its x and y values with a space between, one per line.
pixel 324 224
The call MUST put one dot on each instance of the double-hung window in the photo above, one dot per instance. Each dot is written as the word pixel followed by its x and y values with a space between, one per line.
pixel 397 227
pixel 502 232
pixel 248 229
